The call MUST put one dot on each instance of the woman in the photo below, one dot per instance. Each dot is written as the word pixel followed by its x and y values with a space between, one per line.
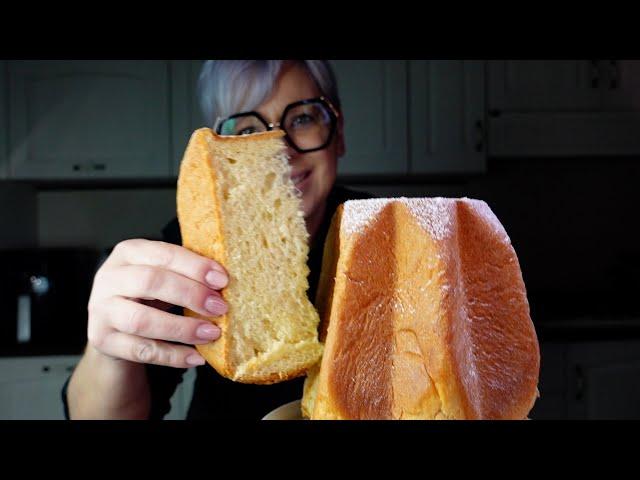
pixel 139 342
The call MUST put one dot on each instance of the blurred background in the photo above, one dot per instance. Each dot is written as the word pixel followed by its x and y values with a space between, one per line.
pixel 89 156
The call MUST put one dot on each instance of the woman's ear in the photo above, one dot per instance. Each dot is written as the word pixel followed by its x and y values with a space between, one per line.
pixel 341 149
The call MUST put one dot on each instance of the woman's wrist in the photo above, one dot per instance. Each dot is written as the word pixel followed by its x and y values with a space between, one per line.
pixel 107 387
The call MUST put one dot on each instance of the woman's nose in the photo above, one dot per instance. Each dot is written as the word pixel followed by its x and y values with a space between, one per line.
pixel 292 153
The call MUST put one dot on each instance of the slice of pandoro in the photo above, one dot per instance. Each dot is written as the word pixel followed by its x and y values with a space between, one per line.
pixel 238 206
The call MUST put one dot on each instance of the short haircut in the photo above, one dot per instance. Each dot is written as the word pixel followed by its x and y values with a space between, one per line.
pixel 226 87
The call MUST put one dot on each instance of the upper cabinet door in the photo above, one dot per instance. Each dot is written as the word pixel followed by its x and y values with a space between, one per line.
pixel 374 105
pixel 604 380
pixel 545 85
pixel 622 78
pixel 557 108
pixel 447 116
pixel 89 119
pixel 3 119
pixel 620 117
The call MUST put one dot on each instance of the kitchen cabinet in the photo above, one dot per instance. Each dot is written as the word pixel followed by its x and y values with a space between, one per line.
pixel 30 387
pixel 88 119
pixel 563 107
pixel 544 85
pixel 3 120
pixel 75 120
pixel 185 111
pixel 181 399
pixel 620 85
pixel 447 116
pixel 589 380
pixel 373 94
pixel 604 380
pixel 552 384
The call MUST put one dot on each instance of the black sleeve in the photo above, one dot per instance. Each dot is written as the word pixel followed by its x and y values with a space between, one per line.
pixel 163 381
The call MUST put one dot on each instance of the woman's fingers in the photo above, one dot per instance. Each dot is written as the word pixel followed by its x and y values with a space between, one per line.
pixel 141 281
pixel 170 257
pixel 140 275
pixel 146 350
pixel 133 318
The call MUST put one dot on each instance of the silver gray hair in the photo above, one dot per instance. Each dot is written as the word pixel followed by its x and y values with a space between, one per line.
pixel 226 87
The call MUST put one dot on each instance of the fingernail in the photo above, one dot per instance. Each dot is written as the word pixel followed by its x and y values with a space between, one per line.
pixel 217 267
pixel 215 305
pixel 216 279
pixel 208 332
pixel 195 359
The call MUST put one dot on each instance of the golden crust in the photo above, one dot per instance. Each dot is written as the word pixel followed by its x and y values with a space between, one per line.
pixel 273 378
pixel 324 293
pixel 201 225
pixel 422 327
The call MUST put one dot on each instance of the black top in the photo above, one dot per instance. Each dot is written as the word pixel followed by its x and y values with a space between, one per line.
pixel 215 397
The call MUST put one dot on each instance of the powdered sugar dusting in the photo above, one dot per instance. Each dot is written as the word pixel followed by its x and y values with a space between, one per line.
pixel 357 214
pixel 435 214
pixel 432 214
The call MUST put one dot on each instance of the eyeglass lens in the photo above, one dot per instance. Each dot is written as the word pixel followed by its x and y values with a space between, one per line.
pixel 307 125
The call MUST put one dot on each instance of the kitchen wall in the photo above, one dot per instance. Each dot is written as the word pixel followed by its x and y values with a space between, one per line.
pixel 103 217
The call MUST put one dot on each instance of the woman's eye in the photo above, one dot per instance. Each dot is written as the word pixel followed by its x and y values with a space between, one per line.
pixel 302 120
pixel 247 131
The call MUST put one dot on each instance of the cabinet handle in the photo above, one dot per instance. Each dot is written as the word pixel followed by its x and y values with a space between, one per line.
pixel 480 136
pixel 89 166
pixel 46 369
pixel 595 74
pixel 615 75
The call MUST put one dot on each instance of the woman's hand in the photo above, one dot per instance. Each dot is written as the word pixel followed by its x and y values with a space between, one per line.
pixel 131 290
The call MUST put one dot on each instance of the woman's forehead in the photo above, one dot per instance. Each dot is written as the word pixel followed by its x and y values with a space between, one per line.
pixel 294 83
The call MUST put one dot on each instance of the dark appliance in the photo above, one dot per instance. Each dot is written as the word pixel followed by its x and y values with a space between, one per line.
pixel 44 294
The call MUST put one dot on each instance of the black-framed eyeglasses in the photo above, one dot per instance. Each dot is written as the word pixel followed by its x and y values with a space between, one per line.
pixel 309 125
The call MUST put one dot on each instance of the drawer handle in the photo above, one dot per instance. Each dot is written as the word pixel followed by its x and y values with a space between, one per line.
pixel 46 369
pixel 77 167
